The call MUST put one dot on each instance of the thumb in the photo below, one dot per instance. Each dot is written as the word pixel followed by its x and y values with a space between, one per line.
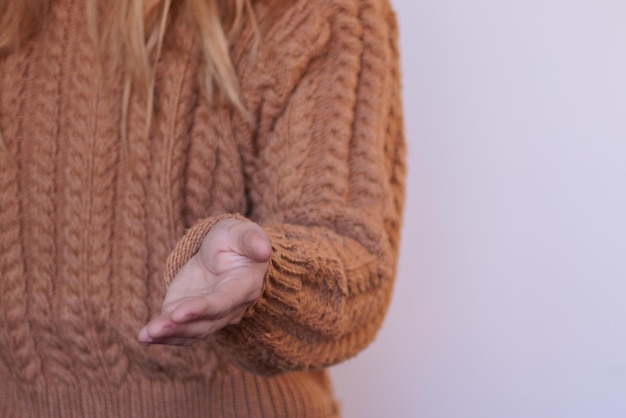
pixel 251 241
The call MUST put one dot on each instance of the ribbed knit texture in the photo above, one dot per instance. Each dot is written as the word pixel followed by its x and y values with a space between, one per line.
pixel 92 228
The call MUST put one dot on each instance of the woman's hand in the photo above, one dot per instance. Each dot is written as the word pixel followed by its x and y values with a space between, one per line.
pixel 215 287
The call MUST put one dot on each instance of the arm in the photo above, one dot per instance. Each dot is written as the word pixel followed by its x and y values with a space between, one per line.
pixel 329 192
pixel 327 187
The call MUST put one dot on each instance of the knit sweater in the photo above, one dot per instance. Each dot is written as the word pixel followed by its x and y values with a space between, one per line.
pixel 93 226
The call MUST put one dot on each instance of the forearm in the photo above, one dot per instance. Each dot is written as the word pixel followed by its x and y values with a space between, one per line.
pixel 325 297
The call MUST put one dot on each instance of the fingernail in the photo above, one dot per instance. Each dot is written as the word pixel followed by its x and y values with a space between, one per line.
pixel 143 337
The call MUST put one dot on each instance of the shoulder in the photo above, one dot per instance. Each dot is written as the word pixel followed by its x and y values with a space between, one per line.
pixel 304 27
pixel 293 11
pixel 310 34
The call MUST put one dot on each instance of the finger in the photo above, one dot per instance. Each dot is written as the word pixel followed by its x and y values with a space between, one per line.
pixel 179 342
pixel 189 333
pixel 227 297
pixel 155 329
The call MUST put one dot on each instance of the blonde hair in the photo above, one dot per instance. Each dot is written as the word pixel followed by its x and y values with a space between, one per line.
pixel 131 32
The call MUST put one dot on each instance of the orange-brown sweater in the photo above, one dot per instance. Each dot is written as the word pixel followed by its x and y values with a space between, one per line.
pixel 87 221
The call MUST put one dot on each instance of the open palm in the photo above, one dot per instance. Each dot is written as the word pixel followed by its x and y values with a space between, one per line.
pixel 215 287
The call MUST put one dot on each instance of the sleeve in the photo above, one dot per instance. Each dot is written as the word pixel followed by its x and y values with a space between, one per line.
pixel 327 185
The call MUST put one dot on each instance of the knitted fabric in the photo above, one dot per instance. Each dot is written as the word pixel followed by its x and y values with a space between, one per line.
pixel 90 224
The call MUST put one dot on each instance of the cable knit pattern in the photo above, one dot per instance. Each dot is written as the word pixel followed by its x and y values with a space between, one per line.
pixel 17 349
pixel 82 223
pixel 93 221
pixel 41 213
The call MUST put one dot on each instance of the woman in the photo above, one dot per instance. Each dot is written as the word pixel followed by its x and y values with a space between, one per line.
pixel 255 146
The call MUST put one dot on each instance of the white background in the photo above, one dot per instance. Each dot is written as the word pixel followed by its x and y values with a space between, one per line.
pixel 511 296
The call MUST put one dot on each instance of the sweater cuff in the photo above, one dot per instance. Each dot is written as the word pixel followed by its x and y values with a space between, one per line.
pixel 283 282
